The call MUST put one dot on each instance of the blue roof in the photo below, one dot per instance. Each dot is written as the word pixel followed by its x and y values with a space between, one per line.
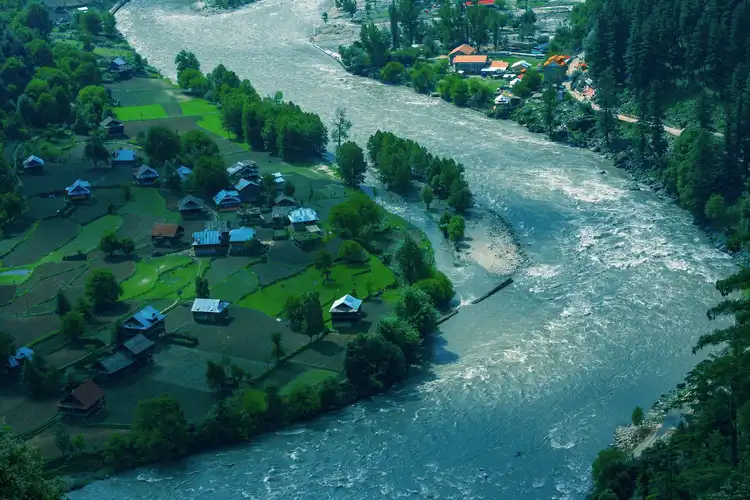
pixel 183 171
pixel 241 234
pixel 346 303
pixel 206 237
pixel 124 155
pixel 119 61
pixel 144 319
pixel 21 353
pixel 243 183
pixel 146 172
pixel 33 159
pixel 224 196
pixel 303 215
pixel 79 187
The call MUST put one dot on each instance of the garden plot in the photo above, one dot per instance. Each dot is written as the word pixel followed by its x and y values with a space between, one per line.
pixel 174 283
pixel 324 353
pixel 12 239
pixel 50 235
pixel 223 268
pixel 147 274
pixel 7 293
pixel 28 328
pixel 270 272
pixel 87 238
pixel 235 287
pixel 104 199
pixel 22 413
pixel 42 208
pixel 144 91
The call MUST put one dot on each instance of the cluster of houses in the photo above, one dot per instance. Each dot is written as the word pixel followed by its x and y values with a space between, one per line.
pixel 465 59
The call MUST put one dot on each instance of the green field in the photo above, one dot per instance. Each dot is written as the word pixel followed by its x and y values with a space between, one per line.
pixel 147 273
pixel 344 279
pixel 196 107
pixel 111 52
pixel 135 113
pixel 87 238
pixel 148 201
pixel 212 123
pixel 308 378
pixel 171 282
pixel 15 275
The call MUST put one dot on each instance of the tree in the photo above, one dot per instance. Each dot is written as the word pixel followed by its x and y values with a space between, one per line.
pixel 22 466
pixel 325 18
pixel 216 376
pixel 186 60
pixel 127 245
pixel 193 81
pixel 439 288
pixel 160 431
pixel 62 306
pixel 162 144
pixel 637 416
pixel 201 287
pixel 415 307
pixel 351 251
pixel 341 126
pixel 411 260
pixel 393 72
pixel 427 196
pixel 345 220
pixel 715 208
pixel 373 364
pixel 312 323
pixel 102 288
pixel 606 97
pixel 209 176
pixel 393 16
pixel 7 348
pixel 72 325
pixel 94 149
pixel 459 92
pixel 289 188
pixel 62 440
pixel 91 21
pixel 549 107
pixel 350 160
pixel 277 350
pixel 109 243
pixel 78 443
pixel 402 334
pixel 324 263
pixel 196 143
pixel 456 228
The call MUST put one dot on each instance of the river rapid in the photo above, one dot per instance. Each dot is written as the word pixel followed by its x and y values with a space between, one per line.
pixel 529 384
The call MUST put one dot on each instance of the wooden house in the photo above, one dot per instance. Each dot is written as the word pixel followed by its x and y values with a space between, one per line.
pixel 242 240
pixel 169 235
pixel 33 165
pixel 146 176
pixel 84 401
pixel 190 206
pixel 247 189
pixel 210 311
pixel 148 321
pixel 113 127
pixel 208 242
pixel 303 217
pixel 139 348
pixel 227 200
pixel 243 170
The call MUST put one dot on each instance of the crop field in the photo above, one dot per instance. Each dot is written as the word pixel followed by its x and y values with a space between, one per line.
pixel 236 286
pixel 197 107
pixel 87 238
pixel 136 113
pixel 147 274
pixel 49 236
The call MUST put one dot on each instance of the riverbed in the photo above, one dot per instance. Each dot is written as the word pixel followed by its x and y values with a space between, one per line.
pixel 610 291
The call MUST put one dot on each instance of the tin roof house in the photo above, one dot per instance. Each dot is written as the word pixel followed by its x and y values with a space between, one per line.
pixel 79 190
pixel 33 164
pixel 227 200
pixel 148 321
pixel 146 176
pixel 210 311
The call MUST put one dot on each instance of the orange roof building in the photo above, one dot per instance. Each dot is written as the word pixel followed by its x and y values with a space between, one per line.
pixel 470 60
pixel 561 60
pixel 463 49
pixel 503 65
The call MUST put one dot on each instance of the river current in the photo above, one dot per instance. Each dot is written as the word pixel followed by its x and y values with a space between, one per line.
pixel 529 384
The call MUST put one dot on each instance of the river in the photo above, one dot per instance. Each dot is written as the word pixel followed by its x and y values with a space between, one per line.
pixel 529 384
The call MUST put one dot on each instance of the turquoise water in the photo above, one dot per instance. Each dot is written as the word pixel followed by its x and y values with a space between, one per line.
pixel 529 384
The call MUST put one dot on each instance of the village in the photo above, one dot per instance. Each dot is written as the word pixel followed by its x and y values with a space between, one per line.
pixel 254 242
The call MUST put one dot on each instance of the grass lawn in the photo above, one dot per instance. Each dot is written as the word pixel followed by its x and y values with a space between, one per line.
pixel 148 201
pixel 212 123
pixel 344 279
pixel 111 52
pixel 310 377
pixel 87 238
pixel 195 107
pixel 147 273
pixel 134 113
pixel 173 281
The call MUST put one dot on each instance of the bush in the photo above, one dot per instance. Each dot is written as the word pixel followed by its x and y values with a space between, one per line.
pixel 351 251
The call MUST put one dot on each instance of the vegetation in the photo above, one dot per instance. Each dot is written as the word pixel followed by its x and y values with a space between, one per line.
pixel 22 471
pixel 398 161
pixel 102 289
pixel 72 325
pixel 351 163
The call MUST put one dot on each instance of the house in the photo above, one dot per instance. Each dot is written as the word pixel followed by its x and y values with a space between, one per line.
pixel 462 50
pixel 210 310
pixel 519 66
pixel 283 200
pixel 302 217
pixel 184 173
pixel 241 240
pixel 278 180
pixel 227 200
pixel 190 205
pixel 283 205
pixel 21 355
pixel 84 401
pixel 139 348
pixel 346 308
pixel 243 170
pixel 470 64
pixel 79 190
pixel 33 164
pixel 249 216
pixel 114 127
pixel 148 321
pixel 166 234
pixel 113 364
pixel 123 157
pixel 118 65
pixel 248 190
pixel 501 66
pixel 207 242
pixel 145 176
pixel 481 3
pixel 555 69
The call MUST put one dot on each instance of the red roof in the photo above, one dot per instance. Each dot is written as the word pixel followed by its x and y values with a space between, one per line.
pixel 463 49
pixel 469 59
pixel 87 393
pixel 480 2
pixel 165 230
pixel 499 64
